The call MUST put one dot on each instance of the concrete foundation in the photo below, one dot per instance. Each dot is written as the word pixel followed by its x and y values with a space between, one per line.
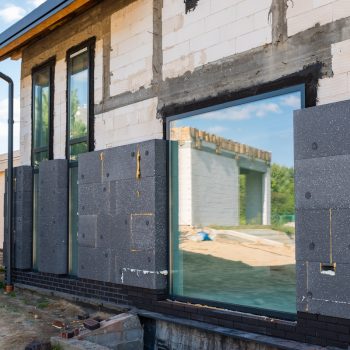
pixel 169 334
pixel 121 332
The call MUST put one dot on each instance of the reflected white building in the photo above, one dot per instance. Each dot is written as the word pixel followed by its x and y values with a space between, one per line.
pixel 209 169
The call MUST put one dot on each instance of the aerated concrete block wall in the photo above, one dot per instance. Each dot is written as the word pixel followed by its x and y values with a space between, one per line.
pixel 213 30
pixel 322 188
pixel 122 235
pixel 150 54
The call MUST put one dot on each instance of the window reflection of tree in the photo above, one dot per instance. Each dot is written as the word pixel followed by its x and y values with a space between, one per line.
pixel 42 116
pixel 282 193
pixel 78 127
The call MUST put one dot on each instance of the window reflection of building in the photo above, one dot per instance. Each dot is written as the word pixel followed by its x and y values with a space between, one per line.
pixel 209 180
pixel 232 207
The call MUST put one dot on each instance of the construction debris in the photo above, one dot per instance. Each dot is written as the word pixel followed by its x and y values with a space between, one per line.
pixel 91 324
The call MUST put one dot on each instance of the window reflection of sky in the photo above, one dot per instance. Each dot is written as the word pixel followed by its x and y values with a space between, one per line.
pixel 265 124
pixel 79 82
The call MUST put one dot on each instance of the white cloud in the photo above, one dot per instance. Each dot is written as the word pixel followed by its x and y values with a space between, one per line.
pixel 245 112
pixel 12 13
pixel 35 3
pixel 217 129
pixel 4 124
pixel 291 101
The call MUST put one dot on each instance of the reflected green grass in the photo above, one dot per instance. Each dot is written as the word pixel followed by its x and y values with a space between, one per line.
pixel 210 278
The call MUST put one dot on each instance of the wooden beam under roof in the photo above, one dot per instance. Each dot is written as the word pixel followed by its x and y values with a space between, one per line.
pixel 14 47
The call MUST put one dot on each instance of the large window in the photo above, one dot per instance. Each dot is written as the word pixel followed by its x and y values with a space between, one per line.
pixel 79 102
pixel 42 113
pixel 42 134
pixel 232 203
pixel 79 130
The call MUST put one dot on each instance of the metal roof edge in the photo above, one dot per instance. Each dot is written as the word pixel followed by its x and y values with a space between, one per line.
pixel 32 19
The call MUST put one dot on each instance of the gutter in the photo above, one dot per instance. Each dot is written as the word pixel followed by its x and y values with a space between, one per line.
pixel 9 197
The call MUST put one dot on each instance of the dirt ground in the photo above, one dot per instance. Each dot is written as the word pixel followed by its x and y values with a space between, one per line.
pixel 265 249
pixel 26 316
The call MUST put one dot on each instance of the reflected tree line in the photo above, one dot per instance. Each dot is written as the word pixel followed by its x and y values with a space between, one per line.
pixel 78 127
pixel 282 197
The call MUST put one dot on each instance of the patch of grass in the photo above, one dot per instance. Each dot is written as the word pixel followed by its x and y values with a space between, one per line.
pixel 26 302
pixel 42 303
pixel 57 347
pixel 12 294
pixel 2 286
pixel 289 231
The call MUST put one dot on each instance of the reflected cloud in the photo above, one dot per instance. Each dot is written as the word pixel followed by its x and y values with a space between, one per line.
pixel 291 101
pixel 245 112
pixel 217 129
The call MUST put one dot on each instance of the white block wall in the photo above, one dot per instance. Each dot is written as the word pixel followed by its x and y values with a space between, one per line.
pixel 25 121
pixel 131 47
pixel 214 30
pixel 208 188
pixel 266 219
pixel 304 14
pixel 215 189
pixel 337 88
pixel 98 75
pixel 185 183
pixel 133 123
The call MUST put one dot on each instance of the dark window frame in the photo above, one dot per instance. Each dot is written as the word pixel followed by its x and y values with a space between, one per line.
pixel 50 63
pixel 281 87
pixel 89 44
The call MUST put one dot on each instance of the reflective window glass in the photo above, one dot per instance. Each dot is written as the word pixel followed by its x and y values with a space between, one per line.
pixel 232 203
pixel 79 95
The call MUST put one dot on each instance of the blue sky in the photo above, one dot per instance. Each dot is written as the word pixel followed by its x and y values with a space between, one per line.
pixel 10 12
pixel 266 124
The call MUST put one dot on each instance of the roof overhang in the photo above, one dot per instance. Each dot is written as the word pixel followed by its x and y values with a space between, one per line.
pixel 46 17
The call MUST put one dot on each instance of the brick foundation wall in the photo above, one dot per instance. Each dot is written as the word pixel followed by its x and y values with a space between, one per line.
pixel 309 328
pixel 105 291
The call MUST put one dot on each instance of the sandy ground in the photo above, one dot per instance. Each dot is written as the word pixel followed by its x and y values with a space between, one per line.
pixel 265 248
pixel 27 316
